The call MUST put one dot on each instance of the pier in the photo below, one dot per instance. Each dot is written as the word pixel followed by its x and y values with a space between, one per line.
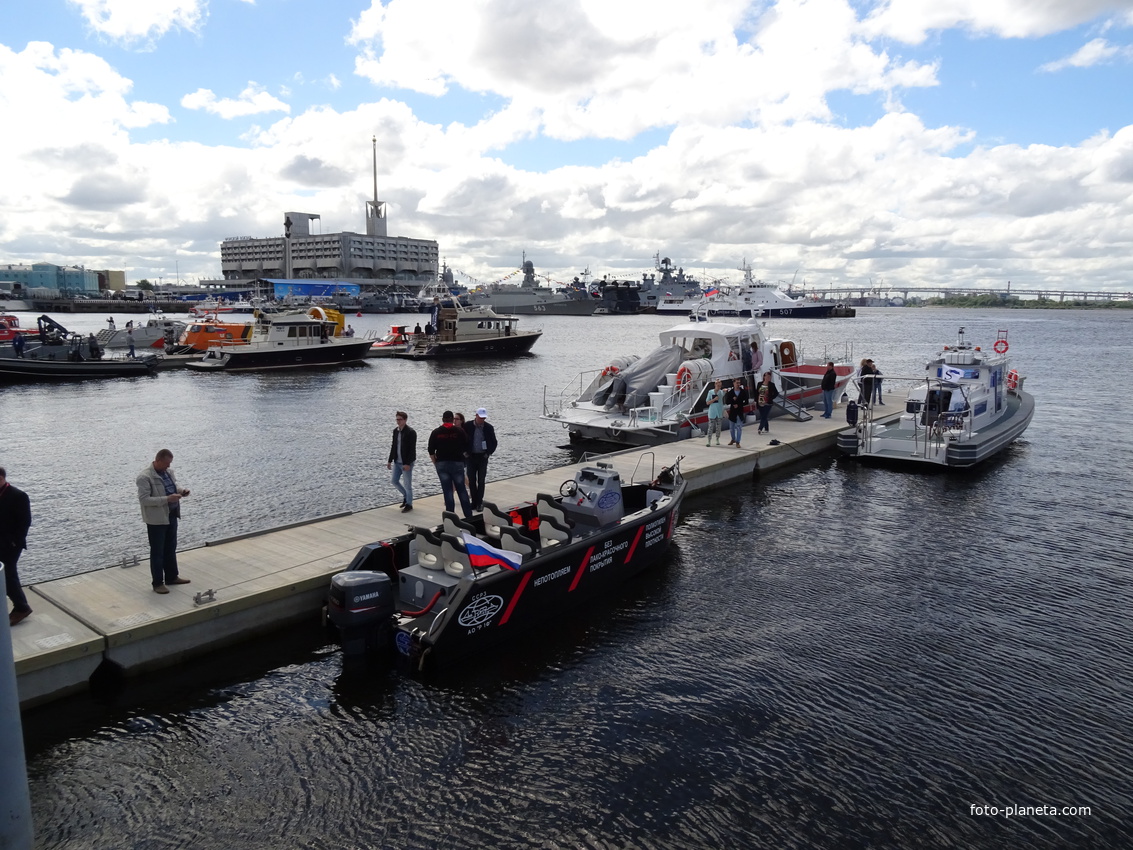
pixel 259 582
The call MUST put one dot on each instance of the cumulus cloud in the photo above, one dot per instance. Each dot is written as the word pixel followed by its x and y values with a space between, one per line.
pixel 1092 53
pixel 137 20
pixel 598 69
pixel 910 21
pixel 252 101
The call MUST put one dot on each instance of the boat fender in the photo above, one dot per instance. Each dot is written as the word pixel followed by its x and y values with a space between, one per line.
pixel 852 413
pixel 1000 346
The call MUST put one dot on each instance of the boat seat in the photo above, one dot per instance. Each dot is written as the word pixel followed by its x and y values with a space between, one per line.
pixel 454 524
pixel 494 520
pixel 552 532
pixel 428 545
pixel 548 506
pixel 455 556
pixel 512 539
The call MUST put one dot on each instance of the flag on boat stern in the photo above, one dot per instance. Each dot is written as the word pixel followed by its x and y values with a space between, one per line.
pixel 711 292
pixel 482 554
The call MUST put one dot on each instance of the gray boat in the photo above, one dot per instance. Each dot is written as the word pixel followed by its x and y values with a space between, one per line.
pixel 968 406
pixel 530 298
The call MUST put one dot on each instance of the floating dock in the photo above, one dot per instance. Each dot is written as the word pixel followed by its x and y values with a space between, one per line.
pixel 259 582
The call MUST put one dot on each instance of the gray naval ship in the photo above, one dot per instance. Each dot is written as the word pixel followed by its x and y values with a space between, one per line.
pixel 534 299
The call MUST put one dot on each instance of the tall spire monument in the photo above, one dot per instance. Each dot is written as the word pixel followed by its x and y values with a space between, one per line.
pixel 375 209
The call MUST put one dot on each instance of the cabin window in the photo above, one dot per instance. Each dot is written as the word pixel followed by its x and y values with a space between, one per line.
pixel 292 332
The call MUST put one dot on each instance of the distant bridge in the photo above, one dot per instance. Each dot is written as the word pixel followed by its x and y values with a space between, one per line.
pixel 849 293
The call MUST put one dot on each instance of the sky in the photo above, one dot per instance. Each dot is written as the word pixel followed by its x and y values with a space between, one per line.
pixel 892 144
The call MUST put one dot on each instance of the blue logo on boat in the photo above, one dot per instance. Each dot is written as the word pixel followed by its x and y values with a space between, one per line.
pixel 403 642
pixel 608 501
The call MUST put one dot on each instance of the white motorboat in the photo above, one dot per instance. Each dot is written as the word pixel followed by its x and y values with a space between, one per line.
pixel 750 299
pixel 157 332
pixel 968 405
pixel 287 341
pixel 643 401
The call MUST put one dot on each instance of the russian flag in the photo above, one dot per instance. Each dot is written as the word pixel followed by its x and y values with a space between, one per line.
pixel 481 554
pixel 711 292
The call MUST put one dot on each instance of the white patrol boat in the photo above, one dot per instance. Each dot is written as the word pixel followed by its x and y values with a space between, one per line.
pixel 968 406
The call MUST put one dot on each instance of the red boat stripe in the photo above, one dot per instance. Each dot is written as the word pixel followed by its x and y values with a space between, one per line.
pixel 581 569
pixel 637 537
pixel 515 599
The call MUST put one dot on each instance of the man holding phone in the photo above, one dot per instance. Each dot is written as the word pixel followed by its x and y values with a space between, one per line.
pixel 160 499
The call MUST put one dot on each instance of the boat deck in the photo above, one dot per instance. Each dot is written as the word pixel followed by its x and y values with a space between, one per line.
pixel 265 580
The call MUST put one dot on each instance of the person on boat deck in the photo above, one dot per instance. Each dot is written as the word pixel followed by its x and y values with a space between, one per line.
pixel 876 382
pixel 349 332
pixel 403 453
pixel 765 394
pixel 110 324
pixel 448 448
pixel 829 382
pixel 160 499
pixel 481 445
pixel 417 330
pixel 92 345
pixel 18 344
pixel 735 400
pixel 15 520
pixel 130 341
pixel 715 399
pixel 865 379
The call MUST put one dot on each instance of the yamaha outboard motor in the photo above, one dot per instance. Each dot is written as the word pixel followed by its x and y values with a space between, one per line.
pixel 852 414
pixel 360 604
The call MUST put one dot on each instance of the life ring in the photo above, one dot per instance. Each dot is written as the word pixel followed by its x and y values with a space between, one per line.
pixel 609 370
pixel 1012 380
pixel 1000 346
pixel 733 356
pixel 684 379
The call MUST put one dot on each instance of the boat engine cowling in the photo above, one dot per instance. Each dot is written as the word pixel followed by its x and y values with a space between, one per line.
pixel 361 606
pixel 597 497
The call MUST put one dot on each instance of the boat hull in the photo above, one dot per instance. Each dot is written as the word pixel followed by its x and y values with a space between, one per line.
pixel 14 369
pixel 501 346
pixel 497 608
pixel 256 357
pixel 894 447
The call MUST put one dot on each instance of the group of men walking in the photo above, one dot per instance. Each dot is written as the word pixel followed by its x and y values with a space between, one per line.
pixel 459 452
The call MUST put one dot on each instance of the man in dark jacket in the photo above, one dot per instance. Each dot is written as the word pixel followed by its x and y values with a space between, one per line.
pixel 481 445
pixel 402 456
pixel 829 382
pixel 15 520
pixel 448 449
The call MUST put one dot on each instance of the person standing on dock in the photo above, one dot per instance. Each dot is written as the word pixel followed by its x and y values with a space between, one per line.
pixel 765 395
pixel 448 449
pixel 715 399
pixel 481 445
pixel 829 383
pixel 160 498
pixel 15 520
pixel 876 383
pixel 403 453
pixel 735 400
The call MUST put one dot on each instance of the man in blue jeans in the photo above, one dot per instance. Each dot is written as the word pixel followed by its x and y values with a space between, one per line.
pixel 829 382
pixel 160 498
pixel 481 445
pixel 448 449
pixel 402 456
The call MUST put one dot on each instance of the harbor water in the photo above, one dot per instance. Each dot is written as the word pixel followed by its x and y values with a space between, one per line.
pixel 832 656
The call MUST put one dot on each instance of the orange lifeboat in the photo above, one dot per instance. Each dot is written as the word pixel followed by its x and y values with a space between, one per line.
pixel 199 335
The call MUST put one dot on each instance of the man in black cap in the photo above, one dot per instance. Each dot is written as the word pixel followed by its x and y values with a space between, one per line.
pixel 448 448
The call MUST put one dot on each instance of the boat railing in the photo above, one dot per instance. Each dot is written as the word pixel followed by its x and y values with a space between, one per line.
pixel 929 435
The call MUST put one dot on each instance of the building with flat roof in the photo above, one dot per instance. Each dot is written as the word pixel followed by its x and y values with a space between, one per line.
pixel 67 280
pixel 373 257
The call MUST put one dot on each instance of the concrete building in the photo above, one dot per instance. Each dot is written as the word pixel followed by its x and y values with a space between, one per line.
pixel 373 257
pixel 66 280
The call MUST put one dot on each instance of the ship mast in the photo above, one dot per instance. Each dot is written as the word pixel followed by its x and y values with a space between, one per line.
pixel 375 209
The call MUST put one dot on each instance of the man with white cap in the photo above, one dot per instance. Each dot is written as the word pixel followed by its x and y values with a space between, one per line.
pixel 482 442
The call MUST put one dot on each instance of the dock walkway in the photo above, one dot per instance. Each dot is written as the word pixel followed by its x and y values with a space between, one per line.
pixel 265 580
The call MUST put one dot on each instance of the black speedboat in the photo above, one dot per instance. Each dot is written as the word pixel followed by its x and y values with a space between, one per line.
pixel 447 592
